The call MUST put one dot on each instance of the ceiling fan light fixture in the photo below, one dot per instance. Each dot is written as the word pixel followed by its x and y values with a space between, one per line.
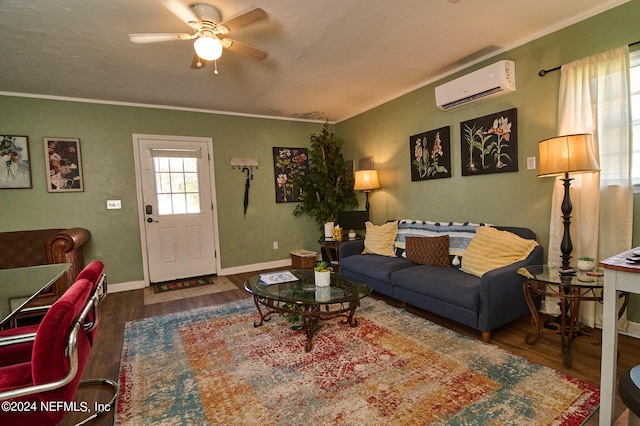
pixel 208 48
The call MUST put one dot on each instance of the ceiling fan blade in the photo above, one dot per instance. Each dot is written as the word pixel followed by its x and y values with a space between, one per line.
pixel 157 37
pixel 197 63
pixel 246 18
pixel 183 12
pixel 244 49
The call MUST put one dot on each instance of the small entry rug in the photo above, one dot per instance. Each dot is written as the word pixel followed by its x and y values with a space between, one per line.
pixel 211 366
pixel 183 283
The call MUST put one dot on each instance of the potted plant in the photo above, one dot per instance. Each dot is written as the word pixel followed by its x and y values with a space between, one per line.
pixel 322 274
pixel 327 187
pixel 586 263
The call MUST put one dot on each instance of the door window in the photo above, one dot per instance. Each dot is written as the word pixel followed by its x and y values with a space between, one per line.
pixel 176 179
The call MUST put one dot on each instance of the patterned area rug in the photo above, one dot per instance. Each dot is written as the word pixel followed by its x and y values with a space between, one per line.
pixel 211 366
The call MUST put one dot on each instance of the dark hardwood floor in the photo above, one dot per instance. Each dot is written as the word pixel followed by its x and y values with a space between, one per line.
pixel 119 308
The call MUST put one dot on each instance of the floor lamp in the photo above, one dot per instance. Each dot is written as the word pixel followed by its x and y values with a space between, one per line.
pixel 563 155
pixel 366 180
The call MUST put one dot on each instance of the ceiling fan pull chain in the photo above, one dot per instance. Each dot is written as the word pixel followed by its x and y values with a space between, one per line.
pixel 215 67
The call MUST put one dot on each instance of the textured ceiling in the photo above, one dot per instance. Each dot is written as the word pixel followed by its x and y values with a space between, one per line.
pixel 328 59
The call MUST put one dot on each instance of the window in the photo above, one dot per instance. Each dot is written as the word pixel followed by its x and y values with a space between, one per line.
pixel 635 117
pixel 176 177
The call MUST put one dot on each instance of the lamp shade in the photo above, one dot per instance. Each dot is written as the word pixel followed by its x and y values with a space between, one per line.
pixel 567 154
pixel 208 48
pixel 366 180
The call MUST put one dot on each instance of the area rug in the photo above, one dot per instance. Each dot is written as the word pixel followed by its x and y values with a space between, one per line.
pixel 184 283
pixel 211 366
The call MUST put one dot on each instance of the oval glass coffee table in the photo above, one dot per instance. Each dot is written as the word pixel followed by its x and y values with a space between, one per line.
pixel 309 302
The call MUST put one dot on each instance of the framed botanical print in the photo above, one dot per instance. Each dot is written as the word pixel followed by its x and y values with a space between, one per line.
pixel 64 165
pixel 15 171
pixel 288 163
pixel 490 144
pixel 430 154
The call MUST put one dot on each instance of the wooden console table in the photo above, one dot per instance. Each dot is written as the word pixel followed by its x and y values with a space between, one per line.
pixel 619 275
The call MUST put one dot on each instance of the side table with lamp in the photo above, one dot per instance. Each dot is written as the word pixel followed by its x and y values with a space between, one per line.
pixel 562 156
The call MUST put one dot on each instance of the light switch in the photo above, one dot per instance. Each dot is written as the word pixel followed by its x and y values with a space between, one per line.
pixel 531 163
pixel 114 204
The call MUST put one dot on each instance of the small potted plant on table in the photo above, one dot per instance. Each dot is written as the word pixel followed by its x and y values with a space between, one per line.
pixel 322 274
pixel 586 263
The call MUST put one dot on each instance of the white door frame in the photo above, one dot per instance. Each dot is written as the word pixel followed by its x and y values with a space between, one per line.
pixel 137 137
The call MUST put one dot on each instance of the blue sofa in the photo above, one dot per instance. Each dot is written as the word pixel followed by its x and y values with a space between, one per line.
pixel 483 303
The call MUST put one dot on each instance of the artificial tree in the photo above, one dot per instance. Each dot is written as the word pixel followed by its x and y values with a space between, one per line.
pixel 327 187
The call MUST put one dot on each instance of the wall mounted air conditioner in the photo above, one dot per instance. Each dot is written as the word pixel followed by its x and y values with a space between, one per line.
pixel 492 80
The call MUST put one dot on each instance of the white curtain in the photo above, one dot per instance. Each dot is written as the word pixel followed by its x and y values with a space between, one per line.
pixel 594 98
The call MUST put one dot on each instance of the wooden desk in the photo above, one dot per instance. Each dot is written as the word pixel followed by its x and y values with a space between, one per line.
pixel 25 282
pixel 619 275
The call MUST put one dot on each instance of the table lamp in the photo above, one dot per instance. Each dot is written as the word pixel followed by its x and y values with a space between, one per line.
pixel 560 156
pixel 366 180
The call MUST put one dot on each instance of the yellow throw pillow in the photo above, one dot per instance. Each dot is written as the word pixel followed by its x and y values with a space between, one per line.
pixel 380 239
pixel 491 248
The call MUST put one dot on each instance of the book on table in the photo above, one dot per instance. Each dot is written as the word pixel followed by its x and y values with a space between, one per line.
pixel 278 277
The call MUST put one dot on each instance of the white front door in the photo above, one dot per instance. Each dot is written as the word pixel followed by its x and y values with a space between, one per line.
pixel 177 208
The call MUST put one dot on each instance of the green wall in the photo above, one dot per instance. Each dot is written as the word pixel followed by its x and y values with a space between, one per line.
pixel 516 199
pixel 105 133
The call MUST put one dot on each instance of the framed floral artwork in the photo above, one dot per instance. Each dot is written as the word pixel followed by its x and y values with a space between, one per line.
pixel 489 144
pixel 430 154
pixel 15 172
pixel 64 165
pixel 287 164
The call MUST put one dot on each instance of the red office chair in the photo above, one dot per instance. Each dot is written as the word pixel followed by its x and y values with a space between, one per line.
pixel 94 272
pixel 59 356
pixel 16 352
pixel 85 327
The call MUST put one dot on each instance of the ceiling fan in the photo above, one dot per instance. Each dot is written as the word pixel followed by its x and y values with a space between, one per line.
pixel 209 31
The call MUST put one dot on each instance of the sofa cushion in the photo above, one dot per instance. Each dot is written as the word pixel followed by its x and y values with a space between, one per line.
pixel 460 233
pixel 491 249
pixel 428 250
pixel 379 239
pixel 373 266
pixel 447 284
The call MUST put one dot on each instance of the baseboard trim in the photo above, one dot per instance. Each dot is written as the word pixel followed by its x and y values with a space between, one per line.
pixel 136 285
pixel 285 263
pixel 633 330
pixel 126 286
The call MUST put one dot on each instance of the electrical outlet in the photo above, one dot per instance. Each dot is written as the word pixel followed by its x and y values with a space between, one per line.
pixel 275 245
pixel 531 163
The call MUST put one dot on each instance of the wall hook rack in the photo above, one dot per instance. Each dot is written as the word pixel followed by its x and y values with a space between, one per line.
pixel 246 165
pixel 242 162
